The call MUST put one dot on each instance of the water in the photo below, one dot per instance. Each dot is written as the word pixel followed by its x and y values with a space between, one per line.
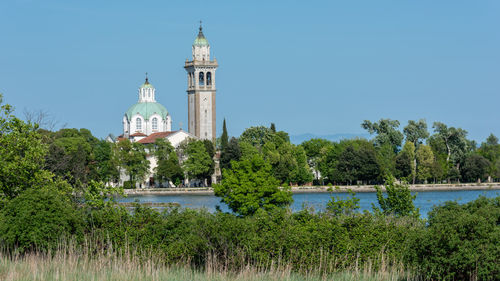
pixel 425 199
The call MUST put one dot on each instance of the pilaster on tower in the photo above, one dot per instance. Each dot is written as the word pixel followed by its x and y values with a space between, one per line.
pixel 201 89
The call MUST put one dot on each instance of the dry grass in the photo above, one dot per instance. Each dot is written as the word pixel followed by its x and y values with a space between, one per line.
pixel 72 263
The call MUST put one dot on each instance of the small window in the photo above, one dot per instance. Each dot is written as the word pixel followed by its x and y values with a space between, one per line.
pixel 209 78
pixel 154 124
pixel 138 124
pixel 202 79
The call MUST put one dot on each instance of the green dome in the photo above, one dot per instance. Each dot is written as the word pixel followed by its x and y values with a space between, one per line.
pixel 200 39
pixel 146 109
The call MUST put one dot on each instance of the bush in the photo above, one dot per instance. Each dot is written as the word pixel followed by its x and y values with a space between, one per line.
pixel 37 219
pixel 461 242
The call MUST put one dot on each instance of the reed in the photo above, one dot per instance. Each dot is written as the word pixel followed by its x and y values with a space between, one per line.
pixel 88 262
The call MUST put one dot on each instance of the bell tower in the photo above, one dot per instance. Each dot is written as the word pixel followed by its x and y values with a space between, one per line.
pixel 201 89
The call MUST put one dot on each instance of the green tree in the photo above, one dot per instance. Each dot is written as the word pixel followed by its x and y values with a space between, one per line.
pixel 224 139
pixel 356 162
pixel 416 132
pixel 339 206
pixel 315 149
pixel 257 136
pixel 273 128
pixel 38 218
pixel 250 186
pixel 198 165
pixel 404 162
pixel 168 167
pixel 475 168
pixel 455 141
pixel 231 152
pixel 22 155
pixel 387 132
pixel 399 201
pixel 490 149
pixel 425 160
pixel 132 158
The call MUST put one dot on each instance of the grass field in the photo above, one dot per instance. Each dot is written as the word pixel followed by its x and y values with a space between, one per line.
pixel 81 267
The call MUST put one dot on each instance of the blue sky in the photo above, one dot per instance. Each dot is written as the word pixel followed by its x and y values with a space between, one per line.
pixel 317 67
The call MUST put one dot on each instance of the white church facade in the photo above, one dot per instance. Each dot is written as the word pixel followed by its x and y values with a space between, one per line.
pixel 148 120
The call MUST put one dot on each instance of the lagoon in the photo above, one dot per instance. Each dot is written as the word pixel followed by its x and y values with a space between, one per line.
pixel 425 200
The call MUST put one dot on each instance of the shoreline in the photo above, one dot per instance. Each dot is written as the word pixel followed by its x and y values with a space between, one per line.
pixel 320 189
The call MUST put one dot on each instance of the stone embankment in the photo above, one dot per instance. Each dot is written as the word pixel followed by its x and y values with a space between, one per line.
pixel 309 189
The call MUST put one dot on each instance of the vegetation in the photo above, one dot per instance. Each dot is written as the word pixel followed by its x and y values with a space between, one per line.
pixel 67 214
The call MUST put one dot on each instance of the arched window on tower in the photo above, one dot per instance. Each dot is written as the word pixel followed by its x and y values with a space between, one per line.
pixel 154 124
pixel 209 78
pixel 138 124
pixel 202 79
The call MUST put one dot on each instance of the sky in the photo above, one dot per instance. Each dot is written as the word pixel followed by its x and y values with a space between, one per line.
pixel 319 67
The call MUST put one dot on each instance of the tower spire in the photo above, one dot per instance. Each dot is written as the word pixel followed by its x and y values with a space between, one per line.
pixel 147 82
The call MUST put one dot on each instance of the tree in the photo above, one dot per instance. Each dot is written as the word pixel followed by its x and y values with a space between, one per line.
pixel 425 161
pixel 491 151
pixel 357 161
pixel 250 186
pixel 132 158
pixel 475 168
pixel 416 132
pixel 387 132
pixel 315 149
pixel 273 128
pixel 454 140
pixel 339 206
pixel 224 139
pixel 257 136
pixel 199 165
pixel 404 162
pixel 22 155
pixel 230 153
pixel 399 201
pixel 168 167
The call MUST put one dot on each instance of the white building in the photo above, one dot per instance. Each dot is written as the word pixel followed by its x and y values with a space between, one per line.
pixel 148 120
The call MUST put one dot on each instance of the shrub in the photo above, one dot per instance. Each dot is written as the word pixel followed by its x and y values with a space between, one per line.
pixel 37 219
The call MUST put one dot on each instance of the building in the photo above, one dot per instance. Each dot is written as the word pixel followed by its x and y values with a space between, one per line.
pixel 148 120
pixel 201 89
pixel 146 116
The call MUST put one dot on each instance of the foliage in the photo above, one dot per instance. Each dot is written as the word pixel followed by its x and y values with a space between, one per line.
pixel 405 166
pixel 231 152
pixel 22 155
pixel 168 167
pixel 99 195
pixel 387 132
pixel 132 158
pixel 224 139
pixel 199 164
pixel 475 167
pixel 399 201
pixel 460 242
pixel 38 218
pixel 425 161
pixel 454 140
pixel 416 132
pixel 339 206
pixel 357 161
pixel 257 136
pixel 250 186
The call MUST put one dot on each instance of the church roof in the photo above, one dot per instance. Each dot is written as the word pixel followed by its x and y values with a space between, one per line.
pixel 147 84
pixel 152 138
pixel 146 109
pixel 200 39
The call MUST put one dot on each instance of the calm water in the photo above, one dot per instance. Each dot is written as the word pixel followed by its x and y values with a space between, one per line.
pixel 424 201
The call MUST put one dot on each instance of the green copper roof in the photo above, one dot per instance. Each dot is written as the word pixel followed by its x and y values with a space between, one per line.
pixel 146 109
pixel 147 84
pixel 200 39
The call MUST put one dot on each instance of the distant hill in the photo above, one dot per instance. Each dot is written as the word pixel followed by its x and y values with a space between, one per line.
pixel 298 139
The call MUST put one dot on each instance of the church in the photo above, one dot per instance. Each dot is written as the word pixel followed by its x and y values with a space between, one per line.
pixel 148 120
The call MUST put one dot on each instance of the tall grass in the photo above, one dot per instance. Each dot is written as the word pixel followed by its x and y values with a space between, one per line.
pixel 71 262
